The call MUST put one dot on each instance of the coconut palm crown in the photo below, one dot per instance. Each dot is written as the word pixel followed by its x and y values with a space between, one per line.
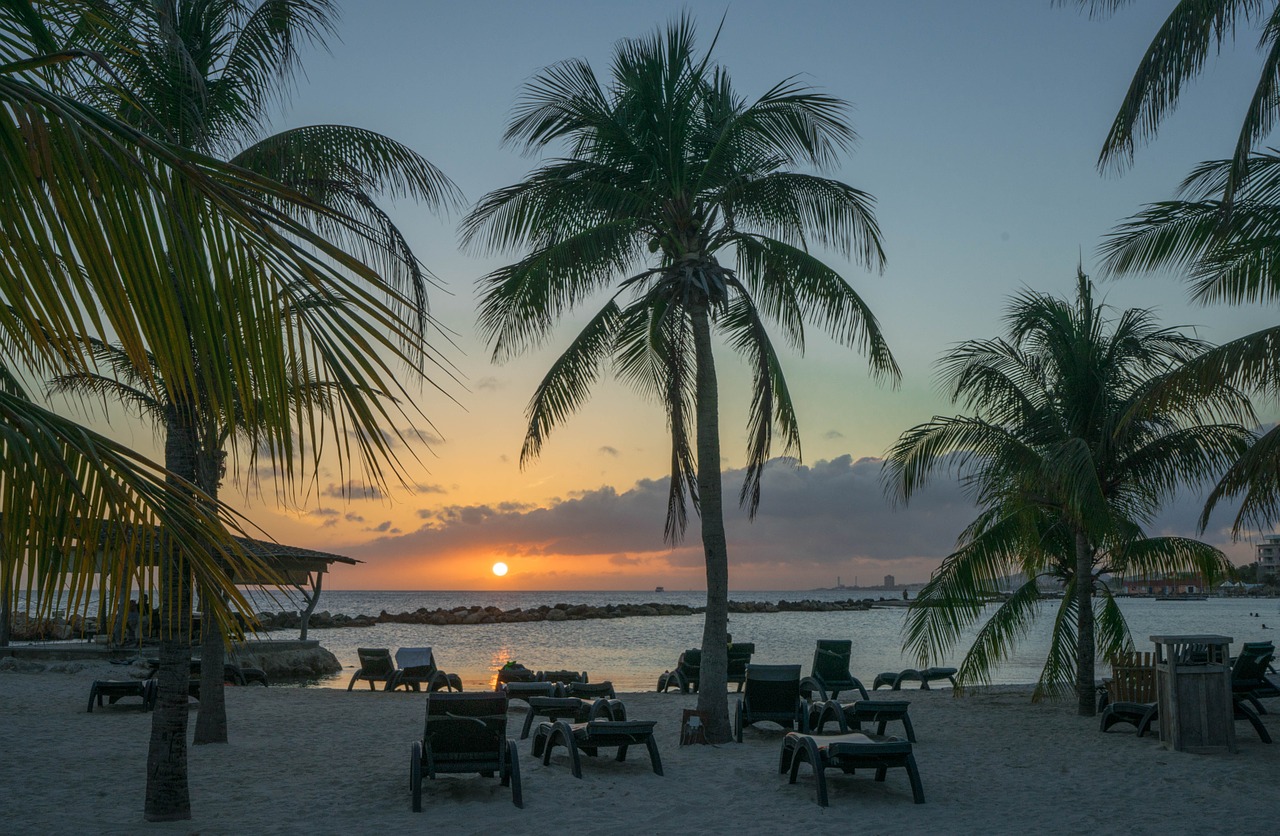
pixel 1069 452
pixel 666 171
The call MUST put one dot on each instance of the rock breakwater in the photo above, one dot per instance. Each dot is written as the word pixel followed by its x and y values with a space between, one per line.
pixel 559 612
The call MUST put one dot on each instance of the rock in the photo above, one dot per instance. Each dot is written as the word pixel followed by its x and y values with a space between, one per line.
pixel 557 615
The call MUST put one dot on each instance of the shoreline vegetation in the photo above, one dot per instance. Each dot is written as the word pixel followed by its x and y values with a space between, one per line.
pixel 476 614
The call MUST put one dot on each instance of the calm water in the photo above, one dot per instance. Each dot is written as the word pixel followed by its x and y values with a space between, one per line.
pixel 632 652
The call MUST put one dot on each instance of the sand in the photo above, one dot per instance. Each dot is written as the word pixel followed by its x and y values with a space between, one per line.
pixel 319 761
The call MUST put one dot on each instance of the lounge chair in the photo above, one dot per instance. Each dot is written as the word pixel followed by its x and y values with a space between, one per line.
pixel 830 674
pixel 685 676
pixel 923 676
pixel 465 733
pixel 592 736
pixel 1131 695
pixel 739 657
pixel 376 665
pixel 590 690
pixel 116 689
pixel 772 692
pixel 417 667
pixel 562 677
pixel 573 709
pixel 1249 674
pixel 1249 683
pixel 848 752
pixel 851 715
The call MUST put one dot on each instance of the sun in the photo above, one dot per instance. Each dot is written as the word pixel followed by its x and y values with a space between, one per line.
pixel 499 569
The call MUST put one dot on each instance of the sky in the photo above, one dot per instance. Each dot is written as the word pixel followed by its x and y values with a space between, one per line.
pixel 980 125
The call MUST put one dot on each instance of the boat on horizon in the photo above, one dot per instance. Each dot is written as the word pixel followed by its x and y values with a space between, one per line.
pixel 659 589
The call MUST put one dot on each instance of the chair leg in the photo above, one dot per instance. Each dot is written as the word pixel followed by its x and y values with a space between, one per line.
pixel 354 677
pixel 1244 712
pixel 528 724
pixel 513 766
pixel 415 775
pixel 652 746
pixel 917 788
pixel 622 753
pixel 911 732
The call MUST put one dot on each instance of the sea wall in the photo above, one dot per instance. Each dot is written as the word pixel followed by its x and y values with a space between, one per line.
pixel 559 612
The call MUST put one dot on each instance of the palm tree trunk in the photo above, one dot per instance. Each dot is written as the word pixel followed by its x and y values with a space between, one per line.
pixel 714 674
pixel 168 797
pixel 1085 685
pixel 211 717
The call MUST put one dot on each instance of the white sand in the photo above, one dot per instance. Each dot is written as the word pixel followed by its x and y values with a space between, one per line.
pixel 321 761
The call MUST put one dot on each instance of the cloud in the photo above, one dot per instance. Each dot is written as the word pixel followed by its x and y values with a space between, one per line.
pixel 814 522
pixel 422 487
pixel 610 451
pixel 833 435
pixel 352 491
pixel 353 518
pixel 324 512
pixel 490 384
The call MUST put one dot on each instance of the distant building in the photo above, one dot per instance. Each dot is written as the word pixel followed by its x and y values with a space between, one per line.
pixel 1181 583
pixel 889 582
pixel 1269 556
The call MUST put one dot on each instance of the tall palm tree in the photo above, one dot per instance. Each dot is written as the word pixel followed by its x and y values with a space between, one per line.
pixel 1069 451
pixel 110 232
pixel 666 170
pixel 1193 31
pixel 204 74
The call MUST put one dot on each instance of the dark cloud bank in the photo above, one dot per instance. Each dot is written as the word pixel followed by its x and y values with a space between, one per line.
pixel 819 520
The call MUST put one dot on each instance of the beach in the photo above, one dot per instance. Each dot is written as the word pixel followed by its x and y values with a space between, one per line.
pixel 318 760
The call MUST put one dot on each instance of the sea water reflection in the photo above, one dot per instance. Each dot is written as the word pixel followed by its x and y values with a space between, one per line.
pixel 632 652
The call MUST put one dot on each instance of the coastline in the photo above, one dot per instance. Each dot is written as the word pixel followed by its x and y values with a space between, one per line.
pixel 328 761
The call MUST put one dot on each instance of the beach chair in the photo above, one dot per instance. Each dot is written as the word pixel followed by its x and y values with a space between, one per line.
pixel 685 676
pixel 376 665
pixel 573 709
pixel 1249 674
pixel 1131 695
pixel 850 716
pixel 830 674
pixel 116 689
pixel 417 667
pixel 772 692
pixel 465 733
pixel 848 752
pixel 562 677
pixel 592 736
pixel 740 654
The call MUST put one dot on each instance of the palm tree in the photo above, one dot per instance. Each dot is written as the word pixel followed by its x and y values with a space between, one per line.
pixel 1069 451
pixel 666 170
pixel 1226 257
pixel 110 232
pixel 1176 55
pixel 204 74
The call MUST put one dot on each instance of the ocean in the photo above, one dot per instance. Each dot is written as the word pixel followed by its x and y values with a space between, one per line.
pixel 633 652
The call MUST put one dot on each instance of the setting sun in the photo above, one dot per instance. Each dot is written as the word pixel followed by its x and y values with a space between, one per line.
pixel 499 569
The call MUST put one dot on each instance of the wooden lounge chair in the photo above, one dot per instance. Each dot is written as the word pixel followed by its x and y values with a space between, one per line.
pixel 376 665
pixel 592 736
pixel 740 654
pixel 685 676
pixel 465 733
pixel 848 752
pixel 1131 693
pixel 830 674
pixel 417 667
pixel 772 693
